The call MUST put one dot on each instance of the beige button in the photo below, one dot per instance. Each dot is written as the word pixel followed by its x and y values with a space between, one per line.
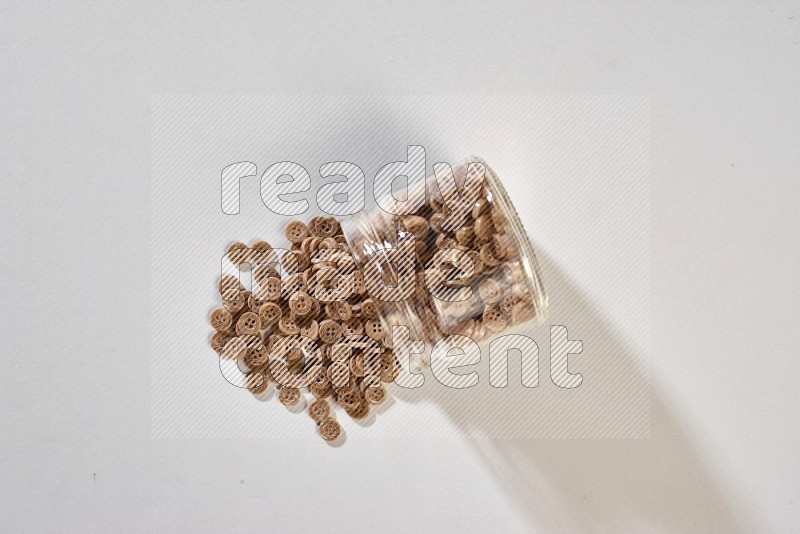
pixel 256 383
pixel 494 319
pixel 329 243
pixel 488 257
pixel 312 225
pixel 490 291
pixel 330 429
pixel 238 253
pixel 257 299
pixel 416 225
pixel 269 313
pixel 481 206
pixel 234 349
pixel 289 396
pixel 465 235
pixel 218 341
pixel 339 373
pixel 443 241
pixel 437 219
pixel 321 391
pixel 483 227
pixel 310 244
pixel 369 309
pixel 327 226
pixel 261 246
pixel 353 327
pixel 359 411
pixel 357 365
pixel 221 319
pixel 521 312
pixel 374 329
pixel 310 329
pixel 300 303
pixel 296 231
pixel 329 331
pixel 248 324
pixel 375 394
pixel 507 303
pixel 255 359
pixel 348 399
pixel 229 284
pixel 288 326
pixel 343 310
pixel 319 410
pixel 235 303
pixel 271 288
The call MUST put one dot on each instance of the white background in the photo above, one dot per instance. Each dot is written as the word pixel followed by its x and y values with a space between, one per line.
pixel 725 120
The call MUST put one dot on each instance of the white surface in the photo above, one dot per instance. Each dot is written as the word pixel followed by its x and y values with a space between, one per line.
pixel 76 448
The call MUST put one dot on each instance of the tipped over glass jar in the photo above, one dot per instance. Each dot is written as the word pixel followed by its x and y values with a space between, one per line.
pixel 450 258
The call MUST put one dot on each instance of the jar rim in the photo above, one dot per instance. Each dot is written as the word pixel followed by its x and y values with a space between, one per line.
pixel 533 275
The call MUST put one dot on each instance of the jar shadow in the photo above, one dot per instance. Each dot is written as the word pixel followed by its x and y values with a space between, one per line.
pixel 566 484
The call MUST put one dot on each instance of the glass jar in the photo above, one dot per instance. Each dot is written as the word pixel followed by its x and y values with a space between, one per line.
pixel 451 257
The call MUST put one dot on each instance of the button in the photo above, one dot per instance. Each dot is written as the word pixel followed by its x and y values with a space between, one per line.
pixel 234 349
pixel 369 309
pixel 221 319
pixel 296 231
pixel 416 225
pixel 359 411
pixel 218 341
pixel 522 311
pixel 237 253
pixel 255 359
pixel 353 327
pixel 489 291
pixel 330 429
pixel 339 373
pixel 300 303
pixel 310 329
pixel 326 226
pixel 483 227
pixel 288 326
pixel 248 324
pixel 321 391
pixel 357 365
pixel 375 394
pixel 494 319
pixel 343 310
pixel 229 283
pixel 289 396
pixel 319 410
pixel 348 399
pixel 269 313
pixel 481 206
pixel 256 383
pixel 507 304
pixel 488 257
pixel 329 331
pixel 374 329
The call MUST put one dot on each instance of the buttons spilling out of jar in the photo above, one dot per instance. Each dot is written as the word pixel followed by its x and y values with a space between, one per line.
pixel 336 350
pixel 319 326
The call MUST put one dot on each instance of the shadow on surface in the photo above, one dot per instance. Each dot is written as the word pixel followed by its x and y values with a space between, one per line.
pixel 656 484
